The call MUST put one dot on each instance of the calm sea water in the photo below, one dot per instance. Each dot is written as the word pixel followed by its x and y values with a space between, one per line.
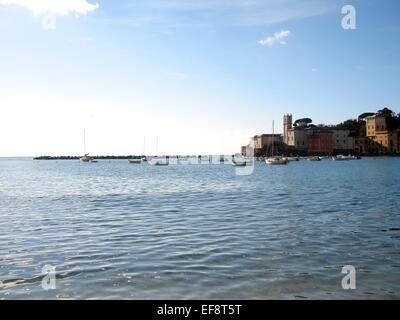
pixel 120 231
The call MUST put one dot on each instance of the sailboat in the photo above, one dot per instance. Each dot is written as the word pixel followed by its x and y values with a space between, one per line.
pixel 275 160
pixel 144 158
pixel 159 161
pixel 86 157
pixel 141 159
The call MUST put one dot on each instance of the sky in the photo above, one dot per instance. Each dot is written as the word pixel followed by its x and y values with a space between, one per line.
pixel 202 76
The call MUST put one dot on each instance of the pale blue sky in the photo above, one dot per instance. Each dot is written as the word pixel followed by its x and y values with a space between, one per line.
pixel 190 72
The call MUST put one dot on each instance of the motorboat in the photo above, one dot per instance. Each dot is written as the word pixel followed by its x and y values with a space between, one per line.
pixel 343 158
pixel 314 159
pixel 276 161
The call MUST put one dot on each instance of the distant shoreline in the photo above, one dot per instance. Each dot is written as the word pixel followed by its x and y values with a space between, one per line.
pixel 94 157
pixel 52 158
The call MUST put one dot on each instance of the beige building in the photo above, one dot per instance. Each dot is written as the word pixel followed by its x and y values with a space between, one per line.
pixel 383 140
pixel 293 137
pixel 342 141
pixel 375 124
pixel 263 143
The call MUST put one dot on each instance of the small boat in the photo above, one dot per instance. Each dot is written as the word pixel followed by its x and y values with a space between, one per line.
pixel 158 161
pixel 86 158
pixel 343 158
pixel 314 159
pixel 276 161
pixel 161 163
pixel 239 164
pixel 240 161
pixel 293 159
pixel 135 161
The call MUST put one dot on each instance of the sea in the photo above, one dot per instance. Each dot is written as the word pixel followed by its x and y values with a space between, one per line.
pixel 115 230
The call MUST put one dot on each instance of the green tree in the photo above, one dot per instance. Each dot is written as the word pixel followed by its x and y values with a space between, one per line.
pixel 386 112
pixel 304 122
pixel 392 119
pixel 354 126
pixel 365 115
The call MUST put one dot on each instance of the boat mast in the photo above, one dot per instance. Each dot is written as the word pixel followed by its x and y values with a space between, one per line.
pixel 273 137
pixel 144 146
pixel 84 141
pixel 157 146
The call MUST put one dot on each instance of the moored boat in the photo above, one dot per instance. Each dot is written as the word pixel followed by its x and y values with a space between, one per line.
pixel 276 161
pixel 343 158
pixel 158 161
pixel 86 158
pixel 135 161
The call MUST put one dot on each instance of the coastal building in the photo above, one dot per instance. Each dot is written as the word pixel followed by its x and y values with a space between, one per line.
pixel 362 145
pixel 295 138
pixel 320 141
pixel 381 139
pixel 342 141
pixel 307 139
pixel 263 143
pixel 375 124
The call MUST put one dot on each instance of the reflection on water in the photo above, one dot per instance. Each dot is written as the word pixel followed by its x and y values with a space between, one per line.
pixel 115 230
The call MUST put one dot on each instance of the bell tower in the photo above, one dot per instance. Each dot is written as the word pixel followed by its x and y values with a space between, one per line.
pixel 287 125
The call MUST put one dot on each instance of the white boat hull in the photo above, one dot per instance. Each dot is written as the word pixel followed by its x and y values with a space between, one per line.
pixel 276 161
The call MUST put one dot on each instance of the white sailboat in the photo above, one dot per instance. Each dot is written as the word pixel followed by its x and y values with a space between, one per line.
pixel 159 161
pixel 275 160
pixel 142 158
pixel 86 157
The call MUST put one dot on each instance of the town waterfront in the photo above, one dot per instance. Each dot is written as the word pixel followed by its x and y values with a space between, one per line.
pixel 120 231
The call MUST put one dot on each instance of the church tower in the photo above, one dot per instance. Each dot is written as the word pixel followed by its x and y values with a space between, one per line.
pixel 287 125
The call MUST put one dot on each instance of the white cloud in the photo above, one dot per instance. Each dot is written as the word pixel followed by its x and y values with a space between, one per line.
pixel 278 37
pixel 58 7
